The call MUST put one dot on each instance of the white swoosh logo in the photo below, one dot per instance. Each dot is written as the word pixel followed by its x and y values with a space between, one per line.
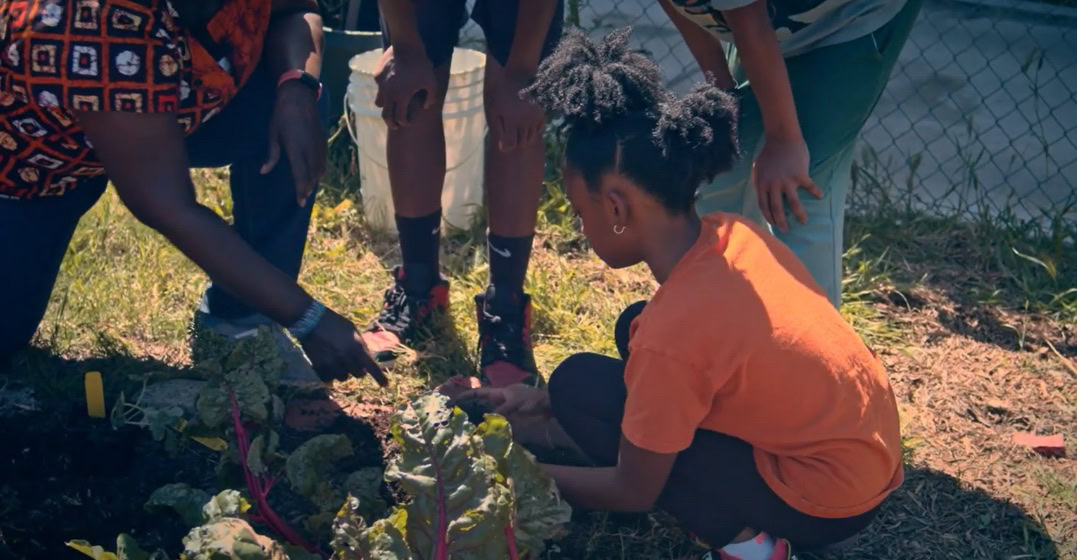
pixel 505 253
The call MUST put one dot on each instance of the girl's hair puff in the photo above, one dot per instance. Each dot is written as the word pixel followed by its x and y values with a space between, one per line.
pixel 621 118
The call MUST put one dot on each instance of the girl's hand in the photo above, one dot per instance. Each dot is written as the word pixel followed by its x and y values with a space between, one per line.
pixel 511 402
pixel 336 350
pixel 779 171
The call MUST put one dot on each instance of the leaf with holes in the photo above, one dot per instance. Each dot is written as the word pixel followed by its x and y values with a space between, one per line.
pixel 230 538
pixel 539 513
pixel 458 499
pixel 229 503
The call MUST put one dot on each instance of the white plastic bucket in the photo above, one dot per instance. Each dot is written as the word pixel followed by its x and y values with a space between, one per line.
pixel 465 135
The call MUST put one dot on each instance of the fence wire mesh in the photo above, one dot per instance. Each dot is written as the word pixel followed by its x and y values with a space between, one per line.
pixel 979 117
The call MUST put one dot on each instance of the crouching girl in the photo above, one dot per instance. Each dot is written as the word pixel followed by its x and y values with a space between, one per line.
pixel 742 403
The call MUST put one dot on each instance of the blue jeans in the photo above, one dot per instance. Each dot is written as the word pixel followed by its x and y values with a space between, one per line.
pixel 835 89
pixel 36 232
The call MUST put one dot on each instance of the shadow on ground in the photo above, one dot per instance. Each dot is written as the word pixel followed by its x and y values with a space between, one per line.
pixel 932 516
pixel 935 516
pixel 65 476
pixel 972 277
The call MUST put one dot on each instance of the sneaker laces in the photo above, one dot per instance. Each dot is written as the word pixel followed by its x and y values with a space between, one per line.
pixel 395 314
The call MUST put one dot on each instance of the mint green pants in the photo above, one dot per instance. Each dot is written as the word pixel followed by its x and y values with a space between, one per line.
pixel 835 89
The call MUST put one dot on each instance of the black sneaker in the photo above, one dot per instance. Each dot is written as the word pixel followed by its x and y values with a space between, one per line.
pixel 403 317
pixel 505 354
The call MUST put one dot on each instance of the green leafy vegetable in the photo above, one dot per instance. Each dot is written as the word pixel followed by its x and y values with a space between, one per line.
pixel 457 502
pixel 308 466
pixel 181 498
pixel 353 540
pixel 262 452
pixel 251 370
pixel 539 513
pixel 160 421
pixel 230 538
pixel 229 503
pixel 365 484
pixel 474 493
pixel 95 552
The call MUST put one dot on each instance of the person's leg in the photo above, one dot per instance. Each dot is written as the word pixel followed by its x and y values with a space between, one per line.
pixel 416 153
pixel 37 233
pixel 265 212
pixel 835 88
pixel 416 160
pixel 513 188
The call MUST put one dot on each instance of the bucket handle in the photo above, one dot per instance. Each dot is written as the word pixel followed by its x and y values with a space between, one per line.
pixel 358 146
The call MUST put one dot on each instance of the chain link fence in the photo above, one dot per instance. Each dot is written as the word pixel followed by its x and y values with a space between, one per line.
pixel 979 117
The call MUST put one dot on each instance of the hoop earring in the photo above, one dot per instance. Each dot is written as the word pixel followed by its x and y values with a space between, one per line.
pixel 618 231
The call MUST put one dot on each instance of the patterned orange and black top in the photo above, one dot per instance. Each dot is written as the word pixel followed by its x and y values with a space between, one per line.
pixel 62 56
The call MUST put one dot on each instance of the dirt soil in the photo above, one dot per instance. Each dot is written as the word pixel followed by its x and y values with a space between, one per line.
pixel 967 379
pixel 65 476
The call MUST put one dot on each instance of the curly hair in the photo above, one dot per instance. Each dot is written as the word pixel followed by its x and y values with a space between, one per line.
pixel 621 118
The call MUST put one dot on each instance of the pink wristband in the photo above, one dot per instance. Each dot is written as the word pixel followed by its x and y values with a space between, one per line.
pixel 303 77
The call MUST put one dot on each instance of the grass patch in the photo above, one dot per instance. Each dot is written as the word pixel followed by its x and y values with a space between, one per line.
pixel 955 307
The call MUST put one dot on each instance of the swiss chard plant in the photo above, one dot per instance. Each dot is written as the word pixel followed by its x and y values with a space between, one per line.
pixel 471 491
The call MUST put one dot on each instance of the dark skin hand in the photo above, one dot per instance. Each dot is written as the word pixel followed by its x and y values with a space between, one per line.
pixel 632 486
pixel 294 41
pixel 145 157
pixel 783 166
pixel 406 82
pixel 405 76
pixel 516 121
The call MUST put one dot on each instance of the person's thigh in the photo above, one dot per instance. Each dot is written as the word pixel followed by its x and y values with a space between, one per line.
pixel 439 23
pixel 497 18
pixel 36 234
pixel 264 208
pixel 819 243
pixel 240 131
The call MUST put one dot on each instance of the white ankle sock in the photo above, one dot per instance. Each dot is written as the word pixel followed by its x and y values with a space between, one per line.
pixel 760 547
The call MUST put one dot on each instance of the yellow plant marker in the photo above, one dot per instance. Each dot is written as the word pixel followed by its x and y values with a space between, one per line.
pixel 343 206
pixel 216 444
pixel 95 395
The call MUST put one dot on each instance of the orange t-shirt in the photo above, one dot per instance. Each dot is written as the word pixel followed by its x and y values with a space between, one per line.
pixel 741 340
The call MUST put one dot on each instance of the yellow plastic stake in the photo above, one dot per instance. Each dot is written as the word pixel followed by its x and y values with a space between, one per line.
pixel 95 395
pixel 216 444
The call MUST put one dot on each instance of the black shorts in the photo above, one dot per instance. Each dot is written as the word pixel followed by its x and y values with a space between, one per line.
pixel 440 22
